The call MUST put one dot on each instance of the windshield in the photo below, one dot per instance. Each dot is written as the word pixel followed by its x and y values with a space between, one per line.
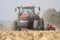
pixel 27 10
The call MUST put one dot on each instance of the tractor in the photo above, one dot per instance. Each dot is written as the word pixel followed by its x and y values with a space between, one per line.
pixel 28 19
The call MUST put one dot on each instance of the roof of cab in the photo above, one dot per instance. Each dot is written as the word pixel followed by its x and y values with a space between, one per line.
pixel 27 7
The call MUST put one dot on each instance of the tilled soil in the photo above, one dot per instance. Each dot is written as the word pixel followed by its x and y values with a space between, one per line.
pixel 30 35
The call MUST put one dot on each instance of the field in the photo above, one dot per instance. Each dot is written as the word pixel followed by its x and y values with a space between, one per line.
pixel 30 35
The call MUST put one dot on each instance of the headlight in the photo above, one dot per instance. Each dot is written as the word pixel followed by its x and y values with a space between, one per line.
pixel 23 21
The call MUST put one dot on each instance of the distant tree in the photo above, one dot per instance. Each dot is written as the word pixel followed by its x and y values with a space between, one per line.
pixel 1 24
pixel 58 19
pixel 50 16
pixel 2 27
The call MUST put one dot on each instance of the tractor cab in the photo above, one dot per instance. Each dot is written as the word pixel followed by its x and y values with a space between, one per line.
pixel 26 10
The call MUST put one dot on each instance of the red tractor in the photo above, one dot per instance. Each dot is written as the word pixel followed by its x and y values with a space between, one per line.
pixel 28 19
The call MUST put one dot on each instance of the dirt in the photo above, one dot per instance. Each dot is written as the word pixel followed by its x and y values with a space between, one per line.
pixel 30 35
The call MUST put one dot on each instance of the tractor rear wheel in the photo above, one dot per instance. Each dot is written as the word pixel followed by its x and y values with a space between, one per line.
pixel 35 24
pixel 38 24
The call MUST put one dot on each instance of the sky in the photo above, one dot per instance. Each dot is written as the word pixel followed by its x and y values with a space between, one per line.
pixel 7 7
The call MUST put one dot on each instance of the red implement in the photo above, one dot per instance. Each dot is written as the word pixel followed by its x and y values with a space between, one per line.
pixel 50 27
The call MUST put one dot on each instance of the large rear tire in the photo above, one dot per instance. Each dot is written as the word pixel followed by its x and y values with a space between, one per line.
pixel 38 24
pixel 41 24
pixel 35 24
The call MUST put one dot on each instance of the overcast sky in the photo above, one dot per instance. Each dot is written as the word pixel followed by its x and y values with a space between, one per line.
pixel 7 7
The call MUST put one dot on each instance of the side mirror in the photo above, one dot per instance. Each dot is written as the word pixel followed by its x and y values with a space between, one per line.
pixel 39 8
pixel 17 8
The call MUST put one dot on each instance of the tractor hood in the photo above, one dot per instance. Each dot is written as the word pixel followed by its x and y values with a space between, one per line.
pixel 24 15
